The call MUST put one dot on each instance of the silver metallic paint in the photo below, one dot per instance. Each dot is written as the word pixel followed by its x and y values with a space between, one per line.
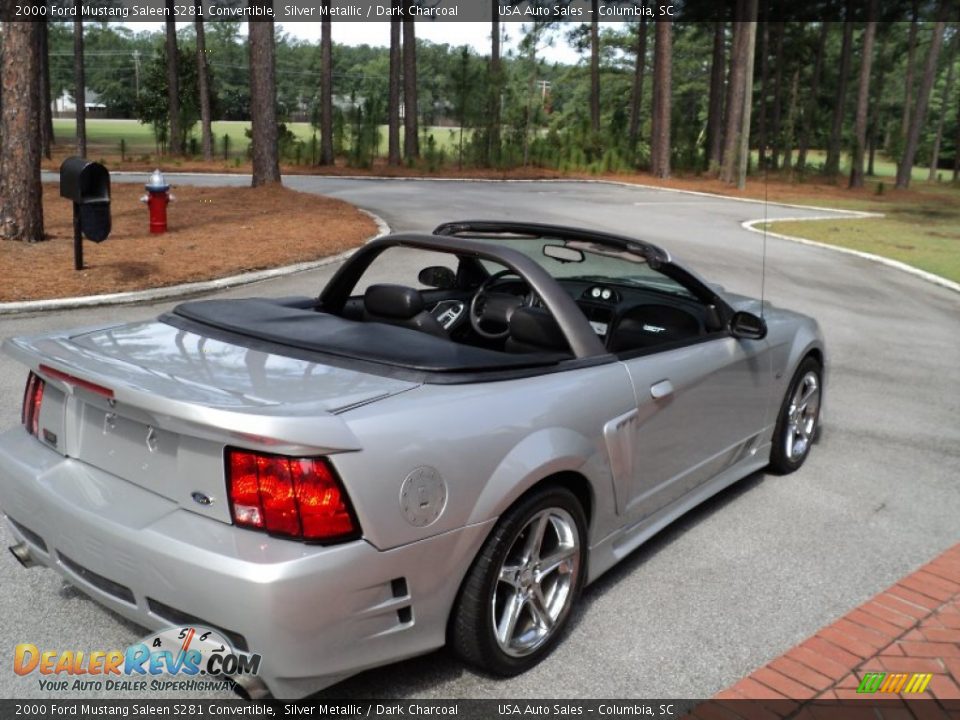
pixel 319 614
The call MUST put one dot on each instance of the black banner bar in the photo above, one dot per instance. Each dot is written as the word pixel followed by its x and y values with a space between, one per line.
pixel 524 11
pixel 466 709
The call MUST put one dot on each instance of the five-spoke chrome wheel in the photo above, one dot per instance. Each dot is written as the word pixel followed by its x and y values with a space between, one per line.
pixel 519 592
pixel 536 581
pixel 796 427
pixel 802 418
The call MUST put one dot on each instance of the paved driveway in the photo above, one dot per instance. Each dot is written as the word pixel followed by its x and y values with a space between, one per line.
pixel 737 581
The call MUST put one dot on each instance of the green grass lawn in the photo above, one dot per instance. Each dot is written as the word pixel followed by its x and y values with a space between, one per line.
pixel 884 168
pixel 924 233
pixel 104 136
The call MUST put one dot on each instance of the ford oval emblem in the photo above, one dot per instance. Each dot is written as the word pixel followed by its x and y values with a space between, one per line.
pixel 201 499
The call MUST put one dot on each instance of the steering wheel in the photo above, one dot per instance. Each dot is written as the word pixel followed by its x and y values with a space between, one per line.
pixel 490 306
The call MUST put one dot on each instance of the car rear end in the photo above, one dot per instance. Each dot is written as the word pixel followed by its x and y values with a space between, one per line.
pixel 202 488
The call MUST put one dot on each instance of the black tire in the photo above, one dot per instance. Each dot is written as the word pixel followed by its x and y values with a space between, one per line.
pixel 782 460
pixel 473 629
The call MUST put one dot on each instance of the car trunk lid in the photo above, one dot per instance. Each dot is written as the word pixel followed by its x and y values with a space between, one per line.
pixel 157 405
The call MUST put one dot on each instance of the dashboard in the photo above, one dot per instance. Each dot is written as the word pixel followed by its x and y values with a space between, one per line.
pixel 640 317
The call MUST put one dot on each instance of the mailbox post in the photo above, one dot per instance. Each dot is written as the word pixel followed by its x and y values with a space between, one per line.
pixel 87 185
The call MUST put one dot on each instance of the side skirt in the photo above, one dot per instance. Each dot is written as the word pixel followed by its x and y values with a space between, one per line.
pixel 616 546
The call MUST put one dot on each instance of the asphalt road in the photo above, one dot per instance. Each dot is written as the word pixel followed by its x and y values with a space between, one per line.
pixel 735 582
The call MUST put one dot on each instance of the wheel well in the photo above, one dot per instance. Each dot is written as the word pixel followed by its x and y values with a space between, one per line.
pixel 569 480
pixel 575 483
pixel 816 354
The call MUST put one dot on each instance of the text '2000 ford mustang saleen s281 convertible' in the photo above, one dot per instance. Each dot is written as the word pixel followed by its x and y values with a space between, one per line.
pixel 340 482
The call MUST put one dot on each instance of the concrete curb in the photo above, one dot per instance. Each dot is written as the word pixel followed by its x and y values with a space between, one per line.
pixel 164 293
pixel 618 183
pixel 895 264
pixel 383 228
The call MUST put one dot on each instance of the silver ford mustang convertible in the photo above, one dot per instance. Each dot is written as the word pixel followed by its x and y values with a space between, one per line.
pixel 444 447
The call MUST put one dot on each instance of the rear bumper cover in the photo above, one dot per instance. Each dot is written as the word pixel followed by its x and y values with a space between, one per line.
pixel 315 614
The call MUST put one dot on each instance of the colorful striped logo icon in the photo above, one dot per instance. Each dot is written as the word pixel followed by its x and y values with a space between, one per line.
pixel 894 682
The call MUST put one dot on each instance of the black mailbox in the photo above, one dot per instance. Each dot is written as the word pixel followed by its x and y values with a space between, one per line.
pixel 87 185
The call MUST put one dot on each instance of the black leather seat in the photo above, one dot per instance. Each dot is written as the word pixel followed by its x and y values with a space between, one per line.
pixel 533 330
pixel 399 305
pixel 650 325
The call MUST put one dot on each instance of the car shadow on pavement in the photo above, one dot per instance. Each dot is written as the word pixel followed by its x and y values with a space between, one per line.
pixel 418 677
pixel 663 539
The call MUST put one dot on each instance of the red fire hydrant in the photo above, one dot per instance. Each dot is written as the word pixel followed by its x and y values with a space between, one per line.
pixel 157 198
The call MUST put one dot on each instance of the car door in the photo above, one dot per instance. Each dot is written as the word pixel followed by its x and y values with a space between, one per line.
pixel 700 408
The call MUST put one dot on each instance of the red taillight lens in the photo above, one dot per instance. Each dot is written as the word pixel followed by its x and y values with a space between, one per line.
pixel 296 497
pixel 32 400
pixel 77 382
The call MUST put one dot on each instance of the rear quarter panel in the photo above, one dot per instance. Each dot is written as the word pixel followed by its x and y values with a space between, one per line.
pixel 490 442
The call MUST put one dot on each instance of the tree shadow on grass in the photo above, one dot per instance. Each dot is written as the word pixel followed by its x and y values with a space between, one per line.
pixel 931 213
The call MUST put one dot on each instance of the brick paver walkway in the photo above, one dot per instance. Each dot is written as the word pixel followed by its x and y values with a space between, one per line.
pixel 912 627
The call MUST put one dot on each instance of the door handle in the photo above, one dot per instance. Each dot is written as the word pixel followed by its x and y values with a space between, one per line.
pixel 662 389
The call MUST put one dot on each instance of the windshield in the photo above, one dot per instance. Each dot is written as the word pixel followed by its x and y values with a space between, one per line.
pixel 587 261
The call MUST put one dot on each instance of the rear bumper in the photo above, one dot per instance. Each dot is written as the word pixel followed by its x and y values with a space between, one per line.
pixel 315 614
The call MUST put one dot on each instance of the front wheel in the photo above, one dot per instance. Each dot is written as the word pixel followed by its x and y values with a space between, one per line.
pixel 798 419
pixel 517 596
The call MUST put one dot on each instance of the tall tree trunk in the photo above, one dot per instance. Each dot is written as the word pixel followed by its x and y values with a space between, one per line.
pixel 176 139
pixel 810 113
pixel 263 101
pixel 776 140
pixel 21 204
pixel 595 66
pixel 411 126
pixel 393 111
pixel 908 75
pixel 636 92
pixel 832 163
pixel 79 85
pixel 956 145
pixel 715 105
pixel 751 7
pixel 764 93
pixel 944 109
pixel 863 97
pixel 662 89
pixel 789 130
pixel 736 87
pixel 203 86
pixel 46 115
pixel 493 147
pixel 535 30
pixel 919 115
pixel 326 89
pixel 873 124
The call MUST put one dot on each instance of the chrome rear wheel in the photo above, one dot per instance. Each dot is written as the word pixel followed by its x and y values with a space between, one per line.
pixel 536 582
pixel 518 595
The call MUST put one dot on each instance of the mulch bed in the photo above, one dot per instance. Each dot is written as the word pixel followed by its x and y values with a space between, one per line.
pixel 213 232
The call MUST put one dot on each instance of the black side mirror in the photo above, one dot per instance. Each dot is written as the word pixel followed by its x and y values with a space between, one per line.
pixel 747 326
pixel 437 277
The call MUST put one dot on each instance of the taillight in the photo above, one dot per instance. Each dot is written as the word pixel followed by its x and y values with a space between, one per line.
pixel 290 496
pixel 76 382
pixel 32 400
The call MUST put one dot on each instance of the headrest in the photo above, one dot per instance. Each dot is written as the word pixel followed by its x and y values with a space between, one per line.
pixel 536 326
pixel 394 301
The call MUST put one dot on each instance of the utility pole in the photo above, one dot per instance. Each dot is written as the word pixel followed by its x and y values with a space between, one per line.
pixel 544 89
pixel 136 70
